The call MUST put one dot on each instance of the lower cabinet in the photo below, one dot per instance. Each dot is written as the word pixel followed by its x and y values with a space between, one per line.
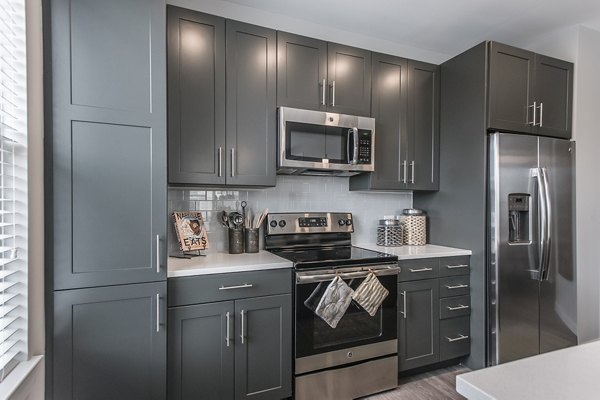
pixel 110 343
pixel 235 349
pixel 433 311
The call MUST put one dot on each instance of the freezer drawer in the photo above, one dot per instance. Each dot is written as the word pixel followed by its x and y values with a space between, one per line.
pixel 455 338
pixel 451 307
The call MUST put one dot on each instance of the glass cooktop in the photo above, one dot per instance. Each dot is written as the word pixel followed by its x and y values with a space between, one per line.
pixel 332 257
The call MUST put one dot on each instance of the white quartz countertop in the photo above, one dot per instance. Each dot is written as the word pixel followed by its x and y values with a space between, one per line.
pixel 571 373
pixel 216 263
pixel 413 252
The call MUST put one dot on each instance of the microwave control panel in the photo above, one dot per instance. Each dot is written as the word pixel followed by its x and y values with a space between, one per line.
pixel 364 147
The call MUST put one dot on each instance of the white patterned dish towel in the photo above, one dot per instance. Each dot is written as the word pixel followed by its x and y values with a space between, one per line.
pixel 370 294
pixel 334 302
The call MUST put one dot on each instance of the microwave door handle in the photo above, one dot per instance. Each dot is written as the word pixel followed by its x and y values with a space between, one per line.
pixel 348 146
pixel 354 159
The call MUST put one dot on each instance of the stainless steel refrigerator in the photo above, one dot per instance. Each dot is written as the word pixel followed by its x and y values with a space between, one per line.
pixel 532 298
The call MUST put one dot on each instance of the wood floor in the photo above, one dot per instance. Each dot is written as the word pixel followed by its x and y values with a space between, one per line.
pixel 433 385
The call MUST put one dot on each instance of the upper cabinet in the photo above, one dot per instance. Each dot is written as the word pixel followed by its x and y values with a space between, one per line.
pixel 317 75
pixel 221 101
pixel 528 92
pixel 405 106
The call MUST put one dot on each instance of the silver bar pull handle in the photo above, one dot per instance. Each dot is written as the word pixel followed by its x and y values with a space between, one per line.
pixel 242 333
pixel 405 174
pixel 541 115
pixel 323 85
pixel 227 338
pixel 412 174
pixel 548 227
pixel 456 339
pixel 543 211
pixel 157 312
pixel 355 148
pixel 403 312
pixel 459 307
pixel 158 254
pixel 457 266
pixel 534 106
pixel 242 286
pixel 333 93
pixel 420 269
pixel 461 286
pixel 220 159
pixel 232 162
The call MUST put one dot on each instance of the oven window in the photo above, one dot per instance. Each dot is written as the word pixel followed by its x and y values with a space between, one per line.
pixel 356 328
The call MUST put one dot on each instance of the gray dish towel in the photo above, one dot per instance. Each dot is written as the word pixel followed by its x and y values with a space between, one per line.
pixel 334 302
pixel 370 294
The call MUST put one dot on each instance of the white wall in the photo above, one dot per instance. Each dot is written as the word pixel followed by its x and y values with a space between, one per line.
pixel 270 20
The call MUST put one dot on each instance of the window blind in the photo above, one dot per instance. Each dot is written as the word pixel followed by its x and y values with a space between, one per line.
pixel 13 186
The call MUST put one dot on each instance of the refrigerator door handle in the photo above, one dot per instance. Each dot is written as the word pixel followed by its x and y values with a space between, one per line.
pixel 545 265
pixel 537 173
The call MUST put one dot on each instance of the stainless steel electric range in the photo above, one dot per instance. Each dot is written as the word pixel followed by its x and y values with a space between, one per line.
pixel 359 356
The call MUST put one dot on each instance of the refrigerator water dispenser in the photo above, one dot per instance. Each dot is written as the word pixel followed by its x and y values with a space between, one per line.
pixel 518 218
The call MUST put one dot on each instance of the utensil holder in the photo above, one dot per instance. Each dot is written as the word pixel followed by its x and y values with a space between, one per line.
pixel 236 241
pixel 251 239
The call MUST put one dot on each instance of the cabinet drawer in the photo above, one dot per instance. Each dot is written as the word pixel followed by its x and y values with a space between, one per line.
pixel 450 266
pixel 455 286
pixel 455 306
pixel 231 286
pixel 411 270
pixel 455 338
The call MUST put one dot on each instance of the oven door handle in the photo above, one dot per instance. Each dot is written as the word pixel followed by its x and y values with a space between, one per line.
pixel 319 277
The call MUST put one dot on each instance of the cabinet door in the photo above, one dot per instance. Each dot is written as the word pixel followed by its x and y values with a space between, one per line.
pixel 554 93
pixel 418 327
pixel 263 348
pixel 301 72
pixel 423 126
pixel 196 97
pixel 390 84
pixel 110 343
pixel 349 75
pixel 510 88
pixel 201 351
pixel 108 184
pixel 251 111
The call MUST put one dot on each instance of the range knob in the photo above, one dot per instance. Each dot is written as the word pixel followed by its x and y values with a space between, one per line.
pixel 273 223
pixel 282 223
pixel 348 222
pixel 341 222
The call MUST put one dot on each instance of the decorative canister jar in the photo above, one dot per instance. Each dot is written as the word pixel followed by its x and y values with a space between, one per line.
pixel 414 223
pixel 389 232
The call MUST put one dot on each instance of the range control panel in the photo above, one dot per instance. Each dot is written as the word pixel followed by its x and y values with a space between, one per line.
pixel 301 223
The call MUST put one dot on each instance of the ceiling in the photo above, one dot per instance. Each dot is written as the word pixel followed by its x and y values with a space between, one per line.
pixel 442 26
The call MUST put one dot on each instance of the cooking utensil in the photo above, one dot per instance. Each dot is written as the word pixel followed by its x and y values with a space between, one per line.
pixel 260 218
pixel 236 219
pixel 244 204
pixel 224 219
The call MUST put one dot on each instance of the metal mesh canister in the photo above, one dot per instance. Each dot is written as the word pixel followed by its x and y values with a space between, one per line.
pixel 389 233
pixel 414 223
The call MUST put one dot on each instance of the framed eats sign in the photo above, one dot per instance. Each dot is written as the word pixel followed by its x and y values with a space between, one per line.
pixel 191 232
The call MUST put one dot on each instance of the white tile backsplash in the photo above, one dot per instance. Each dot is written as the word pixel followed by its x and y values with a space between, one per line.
pixel 292 194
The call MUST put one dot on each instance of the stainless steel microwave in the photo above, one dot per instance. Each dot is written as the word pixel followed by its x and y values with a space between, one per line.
pixel 322 143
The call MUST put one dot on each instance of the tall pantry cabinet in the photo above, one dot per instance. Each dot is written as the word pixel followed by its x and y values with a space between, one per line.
pixel 106 199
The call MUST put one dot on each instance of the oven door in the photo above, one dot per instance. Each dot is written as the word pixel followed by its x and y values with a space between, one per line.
pixel 356 328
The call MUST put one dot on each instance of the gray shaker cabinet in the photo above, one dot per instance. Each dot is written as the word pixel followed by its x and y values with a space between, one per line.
pixel 405 105
pixel 263 350
pixel 222 92
pixel 418 323
pixel 110 343
pixel 316 75
pixel 106 152
pixel 529 92
pixel 196 97
pixel 251 133
pixel 201 351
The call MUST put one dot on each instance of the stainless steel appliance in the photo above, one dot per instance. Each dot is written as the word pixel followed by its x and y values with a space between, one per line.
pixel 532 300
pixel 322 143
pixel 359 356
